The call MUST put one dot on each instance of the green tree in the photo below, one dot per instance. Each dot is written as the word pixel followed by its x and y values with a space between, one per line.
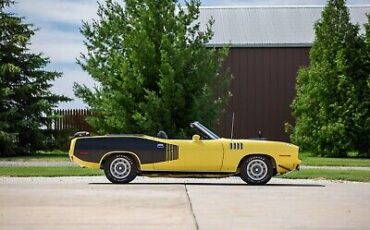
pixel 25 96
pixel 329 106
pixel 363 140
pixel 153 68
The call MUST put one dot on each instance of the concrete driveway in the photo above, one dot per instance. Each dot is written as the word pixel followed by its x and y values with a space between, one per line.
pixel 162 203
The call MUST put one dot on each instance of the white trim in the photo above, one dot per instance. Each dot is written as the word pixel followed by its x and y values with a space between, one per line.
pixel 120 152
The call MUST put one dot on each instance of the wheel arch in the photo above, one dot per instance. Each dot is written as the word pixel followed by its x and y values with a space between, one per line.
pixel 128 153
pixel 272 159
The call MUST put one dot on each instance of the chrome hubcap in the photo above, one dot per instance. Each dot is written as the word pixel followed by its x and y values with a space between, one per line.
pixel 257 169
pixel 120 168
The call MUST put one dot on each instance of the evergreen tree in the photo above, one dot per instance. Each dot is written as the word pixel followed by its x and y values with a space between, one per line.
pixel 25 97
pixel 328 106
pixel 154 69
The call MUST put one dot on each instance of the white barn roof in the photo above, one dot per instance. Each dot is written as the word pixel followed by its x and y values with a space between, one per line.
pixel 290 26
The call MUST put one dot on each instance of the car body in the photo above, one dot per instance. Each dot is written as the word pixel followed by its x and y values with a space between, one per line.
pixel 206 155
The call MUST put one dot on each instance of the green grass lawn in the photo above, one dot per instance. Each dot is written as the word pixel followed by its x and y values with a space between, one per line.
pixel 350 175
pixel 329 174
pixel 53 171
pixel 55 155
pixel 308 159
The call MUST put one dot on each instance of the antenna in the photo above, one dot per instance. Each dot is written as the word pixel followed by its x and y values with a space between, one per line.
pixel 232 127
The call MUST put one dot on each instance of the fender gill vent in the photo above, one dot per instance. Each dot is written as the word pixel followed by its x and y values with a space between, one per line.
pixel 172 152
pixel 236 145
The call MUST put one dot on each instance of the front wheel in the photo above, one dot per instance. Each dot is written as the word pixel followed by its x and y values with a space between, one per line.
pixel 120 169
pixel 256 170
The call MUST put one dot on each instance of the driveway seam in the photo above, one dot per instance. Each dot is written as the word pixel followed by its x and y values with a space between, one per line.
pixel 191 208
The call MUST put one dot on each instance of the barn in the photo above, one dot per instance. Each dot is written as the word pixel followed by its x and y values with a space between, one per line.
pixel 268 45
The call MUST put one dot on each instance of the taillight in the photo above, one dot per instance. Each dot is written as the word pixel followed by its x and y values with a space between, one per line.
pixel 83 152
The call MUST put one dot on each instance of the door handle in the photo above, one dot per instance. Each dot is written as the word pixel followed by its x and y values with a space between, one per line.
pixel 160 146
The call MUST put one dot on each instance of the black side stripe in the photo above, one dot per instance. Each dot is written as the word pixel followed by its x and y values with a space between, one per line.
pixel 172 152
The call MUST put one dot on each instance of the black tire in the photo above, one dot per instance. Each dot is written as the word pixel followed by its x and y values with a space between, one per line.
pixel 120 169
pixel 256 170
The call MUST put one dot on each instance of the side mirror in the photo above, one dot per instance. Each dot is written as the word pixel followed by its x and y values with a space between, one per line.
pixel 196 138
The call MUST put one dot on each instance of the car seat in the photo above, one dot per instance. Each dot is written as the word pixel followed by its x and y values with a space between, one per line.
pixel 162 134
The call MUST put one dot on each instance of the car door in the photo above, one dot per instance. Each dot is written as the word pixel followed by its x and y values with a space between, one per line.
pixel 195 156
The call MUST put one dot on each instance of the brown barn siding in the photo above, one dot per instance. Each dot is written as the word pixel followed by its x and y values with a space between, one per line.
pixel 263 88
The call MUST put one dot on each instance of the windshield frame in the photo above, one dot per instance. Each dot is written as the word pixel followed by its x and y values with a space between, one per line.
pixel 197 125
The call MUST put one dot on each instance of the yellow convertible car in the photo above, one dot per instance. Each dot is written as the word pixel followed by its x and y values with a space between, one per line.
pixel 123 157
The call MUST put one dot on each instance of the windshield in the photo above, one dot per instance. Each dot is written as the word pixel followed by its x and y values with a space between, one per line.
pixel 206 133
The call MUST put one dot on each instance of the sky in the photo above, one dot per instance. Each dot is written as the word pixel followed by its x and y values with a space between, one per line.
pixel 58 36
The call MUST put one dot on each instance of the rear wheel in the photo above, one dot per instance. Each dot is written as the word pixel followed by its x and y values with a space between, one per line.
pixel 120 169
pixel 256 170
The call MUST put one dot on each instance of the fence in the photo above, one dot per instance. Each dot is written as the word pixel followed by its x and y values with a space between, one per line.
pixel 70 119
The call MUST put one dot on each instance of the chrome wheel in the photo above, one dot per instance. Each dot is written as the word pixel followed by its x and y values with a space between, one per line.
pixel 120 168
pixel 257 169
